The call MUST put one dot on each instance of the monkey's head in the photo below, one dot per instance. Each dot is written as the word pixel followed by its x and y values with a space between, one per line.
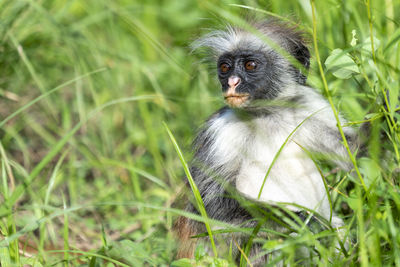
pixel 266 64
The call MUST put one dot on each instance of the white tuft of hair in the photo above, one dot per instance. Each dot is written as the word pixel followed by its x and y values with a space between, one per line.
pixel 221 41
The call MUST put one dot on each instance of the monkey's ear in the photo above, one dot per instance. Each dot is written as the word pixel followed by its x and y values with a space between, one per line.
pixel 302 54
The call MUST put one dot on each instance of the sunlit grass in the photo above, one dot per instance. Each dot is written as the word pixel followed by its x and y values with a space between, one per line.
pixel 89 174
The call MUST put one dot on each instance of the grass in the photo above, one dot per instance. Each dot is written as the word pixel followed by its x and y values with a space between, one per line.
pixel 88 172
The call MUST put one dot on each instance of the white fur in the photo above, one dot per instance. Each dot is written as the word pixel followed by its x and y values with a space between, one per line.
pixel 293 178
pixel 250 146
pixel 224 41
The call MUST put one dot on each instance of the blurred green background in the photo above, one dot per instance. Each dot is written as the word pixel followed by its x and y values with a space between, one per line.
pixel 88 171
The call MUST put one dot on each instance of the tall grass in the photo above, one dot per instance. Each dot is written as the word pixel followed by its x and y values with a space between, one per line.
pixel 88 172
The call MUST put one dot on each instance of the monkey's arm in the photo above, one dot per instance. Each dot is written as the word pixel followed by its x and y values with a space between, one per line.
pixel 321 136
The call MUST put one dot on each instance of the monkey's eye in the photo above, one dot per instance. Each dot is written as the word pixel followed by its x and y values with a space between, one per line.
pixel 250 65
pixel 224 67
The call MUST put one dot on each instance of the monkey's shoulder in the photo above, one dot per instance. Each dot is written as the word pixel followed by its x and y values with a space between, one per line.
pixel 219 113
pixel 203 128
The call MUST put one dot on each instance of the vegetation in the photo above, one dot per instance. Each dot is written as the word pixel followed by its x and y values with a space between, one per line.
pixel 88 170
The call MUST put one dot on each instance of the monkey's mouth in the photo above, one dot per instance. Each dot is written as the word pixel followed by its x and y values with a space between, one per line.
pixel 236 100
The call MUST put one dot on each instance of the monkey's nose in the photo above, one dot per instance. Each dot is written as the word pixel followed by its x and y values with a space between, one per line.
pixel 233 81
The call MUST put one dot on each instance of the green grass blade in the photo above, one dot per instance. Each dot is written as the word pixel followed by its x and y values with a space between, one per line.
pixel 323 180
pixel 18 111
pixel 280 150
pixel 30 68
pixel 328 93
pixel 195 190
pixel 66 235
pixel 141 172
pixel 5 259
pixel 18 192
pixel 272 14
pixel 91 254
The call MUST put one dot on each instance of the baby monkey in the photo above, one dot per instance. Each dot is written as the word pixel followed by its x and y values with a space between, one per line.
pixel 262 74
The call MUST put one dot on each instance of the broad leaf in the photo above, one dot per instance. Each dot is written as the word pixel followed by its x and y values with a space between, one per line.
pixel 341 64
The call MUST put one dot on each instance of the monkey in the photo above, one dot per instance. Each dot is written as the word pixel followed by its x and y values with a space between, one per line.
pixel 271 121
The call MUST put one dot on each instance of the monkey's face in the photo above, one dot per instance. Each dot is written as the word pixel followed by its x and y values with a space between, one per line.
pixel 246 76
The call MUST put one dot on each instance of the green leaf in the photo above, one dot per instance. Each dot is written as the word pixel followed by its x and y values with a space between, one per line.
pixel 183 263
pixel 130 252
pixel 341 64
pixel 200 252
pixel 272 244
pixel 371 115
pixel 367 44
pixel 393 95
pixel 33 261
pixel 218 262
pixel 205 261
pixel 370 170
pixel 352 202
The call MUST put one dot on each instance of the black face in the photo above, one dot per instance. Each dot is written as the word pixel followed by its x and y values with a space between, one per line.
pixel 259 73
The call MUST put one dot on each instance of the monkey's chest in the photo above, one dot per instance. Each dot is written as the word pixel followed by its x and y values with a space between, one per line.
pixel 265 172
pixel 273 174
